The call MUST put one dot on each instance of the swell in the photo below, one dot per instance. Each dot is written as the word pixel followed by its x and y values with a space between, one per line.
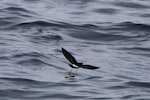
pixel 92 35
pixel 22 94
pixel 32 62
pixel 32 83
pixel 132 5
pixel 125 31
pixel 143 51
pixel 44 24
pixel 31 59
pixel 13 16
pixel 109 11
pixel 17 94
pixel 138 84
pixel 32 54
pixel 7 22
pixel 23 81
pixel 17 9
pixel 138 49
pixel 44 38
pixel 25 88
pixel 112 28
pixel 131 26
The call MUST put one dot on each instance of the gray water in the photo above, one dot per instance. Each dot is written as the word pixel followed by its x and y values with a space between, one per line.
pixel 111 34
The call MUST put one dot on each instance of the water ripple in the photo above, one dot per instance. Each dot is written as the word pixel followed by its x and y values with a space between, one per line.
pixel 139 84
pixel 111 34
pixel 132 5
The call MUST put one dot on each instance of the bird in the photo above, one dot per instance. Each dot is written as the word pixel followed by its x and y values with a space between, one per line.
pixel 74 63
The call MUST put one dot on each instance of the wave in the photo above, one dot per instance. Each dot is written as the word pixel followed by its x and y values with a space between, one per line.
pixel 106 11
pixel 32 62
pixel 17 9
pixel 120 31
pixel 13 16
pixel 44 38
pixel 124 31
pixel 30 59
pixel 138 49
pixel 29 54
pixel 17 94
pixel 131 26
pixel 44 24
pixel 138 84
pixel 132 5
pixel 103 32
pixel 123 26
pixel 143 51
pixel 22 81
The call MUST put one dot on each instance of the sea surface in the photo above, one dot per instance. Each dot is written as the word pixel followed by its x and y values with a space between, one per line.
pixel 111 34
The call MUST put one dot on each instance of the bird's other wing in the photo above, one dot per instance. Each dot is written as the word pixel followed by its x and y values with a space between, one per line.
pixel 69 56
pixel 89 67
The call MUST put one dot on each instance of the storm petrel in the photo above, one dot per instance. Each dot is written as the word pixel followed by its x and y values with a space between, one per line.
pixel 74 63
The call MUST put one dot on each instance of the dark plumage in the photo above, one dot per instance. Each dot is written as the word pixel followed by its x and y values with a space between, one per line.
pixel 69 56
pixel 74 63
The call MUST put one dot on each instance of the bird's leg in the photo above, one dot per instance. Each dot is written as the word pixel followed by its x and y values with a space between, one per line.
pixel 70 72
pixel 76 71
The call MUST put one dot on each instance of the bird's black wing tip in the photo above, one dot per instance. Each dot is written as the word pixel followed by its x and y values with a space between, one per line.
pixel 97 67
pixel 89 67
pixel 62 49
pixel 94 67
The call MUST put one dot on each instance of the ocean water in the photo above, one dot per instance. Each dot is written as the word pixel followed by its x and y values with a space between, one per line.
pixel 111 34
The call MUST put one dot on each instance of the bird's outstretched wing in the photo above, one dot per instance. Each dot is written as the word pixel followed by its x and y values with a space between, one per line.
pixel 89 67
pixel 69 56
